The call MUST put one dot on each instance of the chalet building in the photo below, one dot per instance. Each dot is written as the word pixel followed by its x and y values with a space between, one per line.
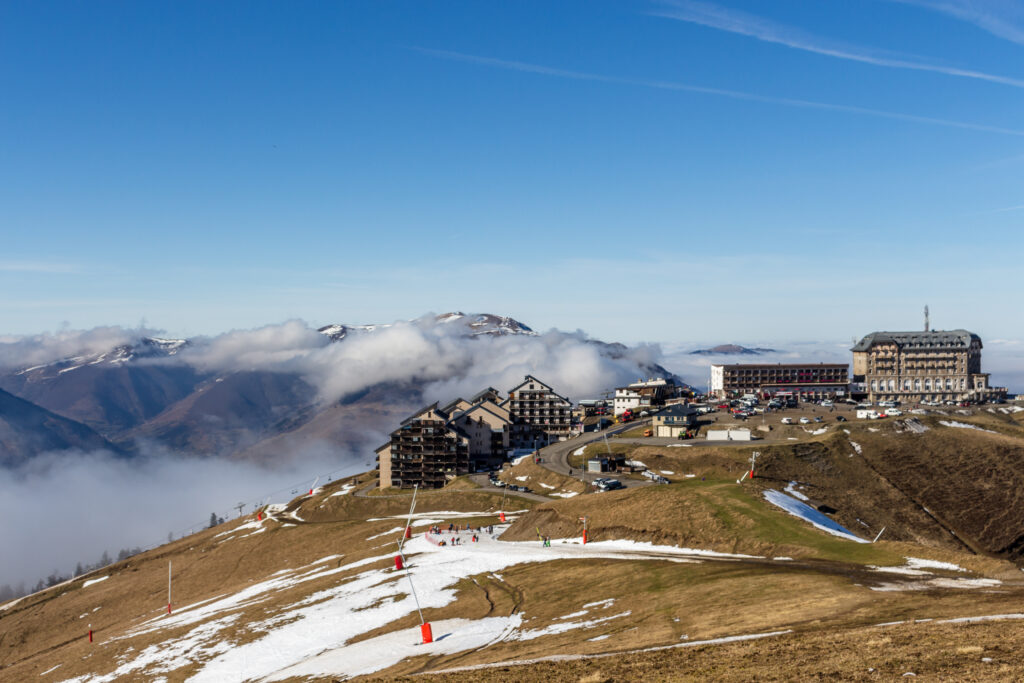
pixel 674 421
pixel 929 365
pixel 798 380
pixel 539 415
pixel 424 451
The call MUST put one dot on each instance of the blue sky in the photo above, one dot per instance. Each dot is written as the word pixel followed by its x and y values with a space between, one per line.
pixel 662 171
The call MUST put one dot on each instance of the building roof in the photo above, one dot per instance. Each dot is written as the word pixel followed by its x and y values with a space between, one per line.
pixel 920 339
pixel 431 408
pixel 784 366
pixel 485 394
pixel 677 410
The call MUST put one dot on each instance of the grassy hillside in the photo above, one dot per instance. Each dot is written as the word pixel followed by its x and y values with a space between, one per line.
pixel 311 593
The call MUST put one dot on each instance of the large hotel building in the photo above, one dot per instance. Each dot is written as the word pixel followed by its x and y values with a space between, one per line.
pixel 930 365
pixel 799 380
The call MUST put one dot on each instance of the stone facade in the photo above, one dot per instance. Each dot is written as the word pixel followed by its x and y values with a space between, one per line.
pixel 931 365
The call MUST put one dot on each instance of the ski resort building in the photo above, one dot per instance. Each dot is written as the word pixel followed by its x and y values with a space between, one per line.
pixel 539 415
pixel 798 380
pixel 643 394
pixel 424 451
pixel 929 365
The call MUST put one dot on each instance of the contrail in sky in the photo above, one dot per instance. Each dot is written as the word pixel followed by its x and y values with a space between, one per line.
pixel 720 92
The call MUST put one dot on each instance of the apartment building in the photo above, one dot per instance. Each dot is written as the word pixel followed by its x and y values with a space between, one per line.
pixel 539 415
pixel 424 451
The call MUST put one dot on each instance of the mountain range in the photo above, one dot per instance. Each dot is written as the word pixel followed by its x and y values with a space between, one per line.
pixel 168 393
pixel 731 350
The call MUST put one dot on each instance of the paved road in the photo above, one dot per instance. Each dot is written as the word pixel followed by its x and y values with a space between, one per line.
pixel 556 456
pixel 483 479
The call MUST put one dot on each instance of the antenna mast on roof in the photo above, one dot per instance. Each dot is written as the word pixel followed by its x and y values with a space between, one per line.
pixel 926 325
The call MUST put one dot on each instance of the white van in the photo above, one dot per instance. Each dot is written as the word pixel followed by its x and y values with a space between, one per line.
pixel 865 414
pixel 787 420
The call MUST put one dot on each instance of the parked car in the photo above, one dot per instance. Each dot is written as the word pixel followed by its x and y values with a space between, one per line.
pixel 840 418
pixel 826 404
pixel 819 418
pixel 805 420
pixel 893 412
pixel 787 420
pixel 610 485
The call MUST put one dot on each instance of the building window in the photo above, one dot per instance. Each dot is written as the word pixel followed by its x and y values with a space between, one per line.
pixel 874 387
pixel 917 385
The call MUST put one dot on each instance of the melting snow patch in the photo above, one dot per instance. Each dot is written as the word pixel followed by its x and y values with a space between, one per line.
pixel 856 447
pixel 791 490
pixel 564 494
pixel 547 486
pixel 667 472
pixel 553 629
pixel 574 614
pixel 809 514
pixel 92 581
pixel 343 491
pixel 396 530
pixel 990 617
pixel 590 640
pixel 49 670
pixel 523 478
pixel 680 445
pixel 579 451
pixel 600 603
pixel 919 563
pixel 964 425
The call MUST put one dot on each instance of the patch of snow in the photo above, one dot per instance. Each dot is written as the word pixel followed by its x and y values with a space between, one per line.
pixel 667 472
pixel 523 478
pixel 49 670
pixel 857 447
pixel 974 620
pixel 92 581
pixel 791 490
pixel 579 451
pixel 564 494
pixel 601 603
pixel 872 429
pixel 591 640
pixel 343 491
pixel 581 613
pixel 783 559
pixel 809 514
pixel 817 431
pixel 680 445
pixel 396 530
pixel 964 425
pixel 920 563
pixel 312 636
pixel 547 486
pixel 562 627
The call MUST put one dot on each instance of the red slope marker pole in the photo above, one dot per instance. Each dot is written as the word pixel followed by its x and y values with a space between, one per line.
pixel 168 586
pixel 90 633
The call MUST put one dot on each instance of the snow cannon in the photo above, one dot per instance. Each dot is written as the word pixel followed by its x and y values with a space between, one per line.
pixel 398 563
pixel 501 516
pixel 428 634
pixel 408 532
